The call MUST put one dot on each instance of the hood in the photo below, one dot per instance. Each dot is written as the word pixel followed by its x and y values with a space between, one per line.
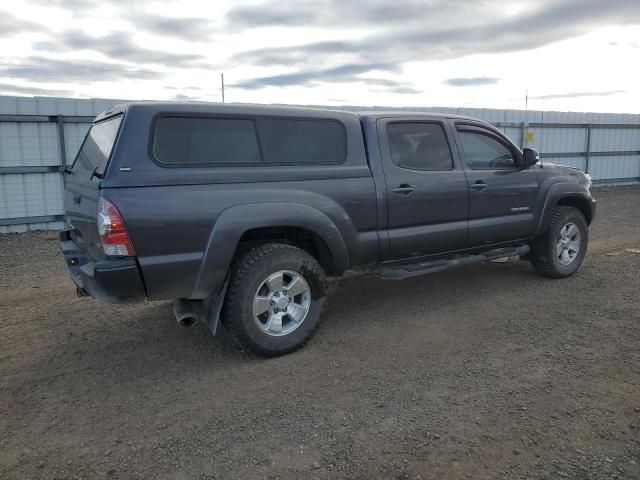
pixel 564 170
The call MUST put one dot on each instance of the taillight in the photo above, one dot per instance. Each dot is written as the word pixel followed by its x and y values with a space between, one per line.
pixel 113 232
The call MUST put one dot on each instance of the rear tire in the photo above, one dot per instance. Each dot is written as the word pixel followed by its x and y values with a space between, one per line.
pixel 561 250
pixel 275 297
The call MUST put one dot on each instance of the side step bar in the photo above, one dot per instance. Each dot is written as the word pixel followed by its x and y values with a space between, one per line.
pixel 417 269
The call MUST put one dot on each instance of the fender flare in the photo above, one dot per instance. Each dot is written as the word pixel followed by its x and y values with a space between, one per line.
pixel 235 221
pixel 552 197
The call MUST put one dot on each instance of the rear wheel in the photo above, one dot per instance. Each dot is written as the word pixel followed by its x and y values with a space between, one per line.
pixel 560 251
pixel 275 297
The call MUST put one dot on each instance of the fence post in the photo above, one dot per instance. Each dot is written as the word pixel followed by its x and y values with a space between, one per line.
pixel 62 145
pixel 61 142
pixel 588 150
pixel 523 127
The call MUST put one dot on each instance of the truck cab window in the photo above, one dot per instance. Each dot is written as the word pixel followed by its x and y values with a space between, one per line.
pixel 419 146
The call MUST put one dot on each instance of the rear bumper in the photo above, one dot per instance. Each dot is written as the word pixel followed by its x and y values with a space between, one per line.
pixel 114 280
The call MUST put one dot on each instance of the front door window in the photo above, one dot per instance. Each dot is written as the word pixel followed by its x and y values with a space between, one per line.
pixel 484 152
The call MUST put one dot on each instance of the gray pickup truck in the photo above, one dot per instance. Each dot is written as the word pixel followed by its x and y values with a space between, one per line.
pixel 239 212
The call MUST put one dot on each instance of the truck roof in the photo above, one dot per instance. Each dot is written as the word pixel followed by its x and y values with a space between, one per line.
pixel 263 109
pixel 224 108
pixel 415 113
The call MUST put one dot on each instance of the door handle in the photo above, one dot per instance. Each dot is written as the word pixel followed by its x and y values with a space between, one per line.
pixel 404 189
pixel 478 185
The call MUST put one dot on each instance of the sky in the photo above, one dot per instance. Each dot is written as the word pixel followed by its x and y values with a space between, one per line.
pixel 567 55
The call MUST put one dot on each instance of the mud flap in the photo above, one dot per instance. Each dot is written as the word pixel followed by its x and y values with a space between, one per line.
pixel 207 311
pixel 212 308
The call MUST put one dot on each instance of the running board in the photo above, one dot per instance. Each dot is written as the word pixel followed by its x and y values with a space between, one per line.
pixel 417 269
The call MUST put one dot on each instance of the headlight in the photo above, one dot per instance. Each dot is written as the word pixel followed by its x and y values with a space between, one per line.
pixel 588 177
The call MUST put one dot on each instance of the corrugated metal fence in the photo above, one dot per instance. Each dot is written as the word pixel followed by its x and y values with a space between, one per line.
pixel 605 145
pixel 39 136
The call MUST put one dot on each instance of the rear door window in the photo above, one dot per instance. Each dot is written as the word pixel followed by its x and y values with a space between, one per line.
pixel 96 148
pixel 419 146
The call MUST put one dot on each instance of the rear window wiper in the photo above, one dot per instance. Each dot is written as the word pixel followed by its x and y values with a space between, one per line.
pixel 96 173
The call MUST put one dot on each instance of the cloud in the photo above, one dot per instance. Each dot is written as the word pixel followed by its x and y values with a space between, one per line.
pixel 411 31
pixel 137 13
pixel 11 25
pixel 471 81
pixel 193 29
pixel 180 98
pixel 338 13
pixel 49 69
pixel 605 93
pixel 405 90
pixel 340 74
pixel 393 86
pixel 624 44
pixel 334 74
pixel 118 46
pixel 11 89
pixel 365 42
pixel 481 27
pixel 71 5
pixel 172 88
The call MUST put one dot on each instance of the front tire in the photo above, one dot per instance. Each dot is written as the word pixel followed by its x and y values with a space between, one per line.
pixel 561 250
pixel 275 297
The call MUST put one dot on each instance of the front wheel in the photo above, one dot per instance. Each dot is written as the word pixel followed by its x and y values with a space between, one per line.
pixel 560 251
pixel 274 299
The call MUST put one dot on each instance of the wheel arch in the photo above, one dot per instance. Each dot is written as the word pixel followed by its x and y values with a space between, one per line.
pixel 302 237
pixel 579 202
pixel 244 225
pixel 567 194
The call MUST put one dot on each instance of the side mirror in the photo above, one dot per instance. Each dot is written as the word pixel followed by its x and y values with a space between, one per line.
pixel 529 157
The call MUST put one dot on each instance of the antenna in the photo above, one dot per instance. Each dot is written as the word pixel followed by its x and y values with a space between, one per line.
pixel 542 135
pixel 222 84
pixel 525 127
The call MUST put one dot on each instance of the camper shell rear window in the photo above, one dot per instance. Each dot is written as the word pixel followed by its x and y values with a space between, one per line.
pixel 228 141
pixel 96 148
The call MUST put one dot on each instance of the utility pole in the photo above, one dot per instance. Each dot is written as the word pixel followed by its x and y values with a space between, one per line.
pixel 222 83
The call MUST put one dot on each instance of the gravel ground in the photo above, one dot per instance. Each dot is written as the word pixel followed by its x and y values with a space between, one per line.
pixel 486 372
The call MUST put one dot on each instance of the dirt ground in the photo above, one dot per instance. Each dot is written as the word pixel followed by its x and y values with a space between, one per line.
pixel 487 372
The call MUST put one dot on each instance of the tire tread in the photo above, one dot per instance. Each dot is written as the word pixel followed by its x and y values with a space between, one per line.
pixel 239 280
pixel 539 257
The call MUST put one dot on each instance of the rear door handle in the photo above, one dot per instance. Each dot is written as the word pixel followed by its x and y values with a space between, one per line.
pixel 478 186
pixel 404 189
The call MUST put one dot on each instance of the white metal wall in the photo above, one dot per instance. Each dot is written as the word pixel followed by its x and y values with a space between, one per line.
pixel 27 144
pixel 37 145
pixel 565 140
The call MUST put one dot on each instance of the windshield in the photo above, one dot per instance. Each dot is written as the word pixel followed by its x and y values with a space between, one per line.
pixel 97 146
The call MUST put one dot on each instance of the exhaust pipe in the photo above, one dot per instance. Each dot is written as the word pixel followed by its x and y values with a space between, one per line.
pixel 185 312
pixel 188 321
pixel 188 312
